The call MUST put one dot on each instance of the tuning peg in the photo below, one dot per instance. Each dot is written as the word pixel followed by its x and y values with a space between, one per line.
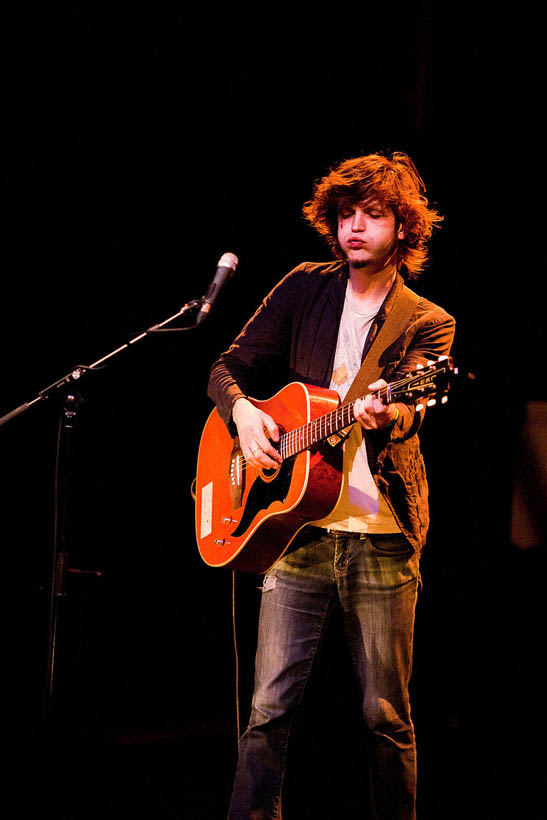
pixel 419 367
pixel 444 399
pixel 432 402
pixel 430 362
pixel 419 407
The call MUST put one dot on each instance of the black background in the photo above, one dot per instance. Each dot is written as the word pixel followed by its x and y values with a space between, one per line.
pixel 137 150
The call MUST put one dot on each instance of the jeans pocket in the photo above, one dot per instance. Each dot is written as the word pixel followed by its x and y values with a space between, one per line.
pixel 390 544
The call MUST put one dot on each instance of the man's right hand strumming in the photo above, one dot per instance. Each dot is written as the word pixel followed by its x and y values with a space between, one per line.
pixel 253 427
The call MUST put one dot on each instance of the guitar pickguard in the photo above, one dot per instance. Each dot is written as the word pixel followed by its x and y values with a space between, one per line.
pixel 263 493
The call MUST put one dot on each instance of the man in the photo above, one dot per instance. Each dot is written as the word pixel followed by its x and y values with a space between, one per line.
pixel 316 326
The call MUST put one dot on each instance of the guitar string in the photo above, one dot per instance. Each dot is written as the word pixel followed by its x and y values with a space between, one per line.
pixel 301 432
pixel 334 416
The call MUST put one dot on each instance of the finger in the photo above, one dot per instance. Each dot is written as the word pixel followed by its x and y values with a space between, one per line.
pixel 259 458
pixel 270 429
pixel 257 443
pixel 370 404
pixel 261 454
pixel 268 463
pixel 261 461
pixel 377 385
pixel 360 411
pixel 378 392
pixel 270 452
pixel 270 426
pixel 362 405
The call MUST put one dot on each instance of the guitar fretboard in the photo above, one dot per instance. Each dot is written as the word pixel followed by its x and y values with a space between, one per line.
pixel 412 387
pixel 302 438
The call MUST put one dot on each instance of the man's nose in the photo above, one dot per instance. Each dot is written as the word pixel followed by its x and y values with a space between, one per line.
pixel 358 223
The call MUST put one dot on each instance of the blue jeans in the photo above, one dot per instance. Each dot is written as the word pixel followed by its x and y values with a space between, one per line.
pixel 374 579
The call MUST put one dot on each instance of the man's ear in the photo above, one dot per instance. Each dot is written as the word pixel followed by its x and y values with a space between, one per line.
pixel 400 233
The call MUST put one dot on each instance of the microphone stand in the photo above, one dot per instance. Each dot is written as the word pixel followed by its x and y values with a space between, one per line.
pixel 72 401
pixel 82 370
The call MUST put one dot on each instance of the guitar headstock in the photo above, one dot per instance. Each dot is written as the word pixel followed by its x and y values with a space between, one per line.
pixel 427 384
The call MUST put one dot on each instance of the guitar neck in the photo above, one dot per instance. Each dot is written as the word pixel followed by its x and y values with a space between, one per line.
pixel 419 384
pixel 302 438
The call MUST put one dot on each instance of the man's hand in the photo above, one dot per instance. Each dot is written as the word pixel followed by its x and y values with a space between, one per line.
pixel 253 425
pixel 371 412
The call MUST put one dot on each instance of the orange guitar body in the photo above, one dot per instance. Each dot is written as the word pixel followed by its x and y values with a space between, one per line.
pixel 245 518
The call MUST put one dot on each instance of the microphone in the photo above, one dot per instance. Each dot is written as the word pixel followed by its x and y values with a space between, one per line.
pixel 227 265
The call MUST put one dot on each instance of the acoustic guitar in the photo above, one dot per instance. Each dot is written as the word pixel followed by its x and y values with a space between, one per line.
pixel 245 517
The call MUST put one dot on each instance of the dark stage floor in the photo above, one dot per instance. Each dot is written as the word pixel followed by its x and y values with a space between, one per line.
pixel 72 775
pixel 477 721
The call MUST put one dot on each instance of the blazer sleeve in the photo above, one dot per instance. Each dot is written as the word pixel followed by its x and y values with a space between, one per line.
pixel 429 336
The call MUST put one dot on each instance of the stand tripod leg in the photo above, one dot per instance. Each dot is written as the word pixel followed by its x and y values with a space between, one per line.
pixel 61 541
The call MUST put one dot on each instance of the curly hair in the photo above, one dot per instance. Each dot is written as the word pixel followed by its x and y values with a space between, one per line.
pixel 393 181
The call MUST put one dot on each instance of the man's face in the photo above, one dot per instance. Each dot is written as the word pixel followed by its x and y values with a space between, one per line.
pixel 367 234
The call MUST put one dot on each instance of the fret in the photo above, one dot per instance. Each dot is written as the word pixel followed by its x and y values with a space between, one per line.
pixel 304 437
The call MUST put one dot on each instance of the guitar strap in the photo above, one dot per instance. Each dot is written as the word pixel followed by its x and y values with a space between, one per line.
pixel 372 367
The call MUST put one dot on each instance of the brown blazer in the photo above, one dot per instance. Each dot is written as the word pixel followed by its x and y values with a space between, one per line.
pixel 292 337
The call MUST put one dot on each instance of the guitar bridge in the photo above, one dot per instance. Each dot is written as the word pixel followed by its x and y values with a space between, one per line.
pixel 237 475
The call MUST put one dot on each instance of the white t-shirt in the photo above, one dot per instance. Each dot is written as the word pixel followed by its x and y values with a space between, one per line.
pixel 361 507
